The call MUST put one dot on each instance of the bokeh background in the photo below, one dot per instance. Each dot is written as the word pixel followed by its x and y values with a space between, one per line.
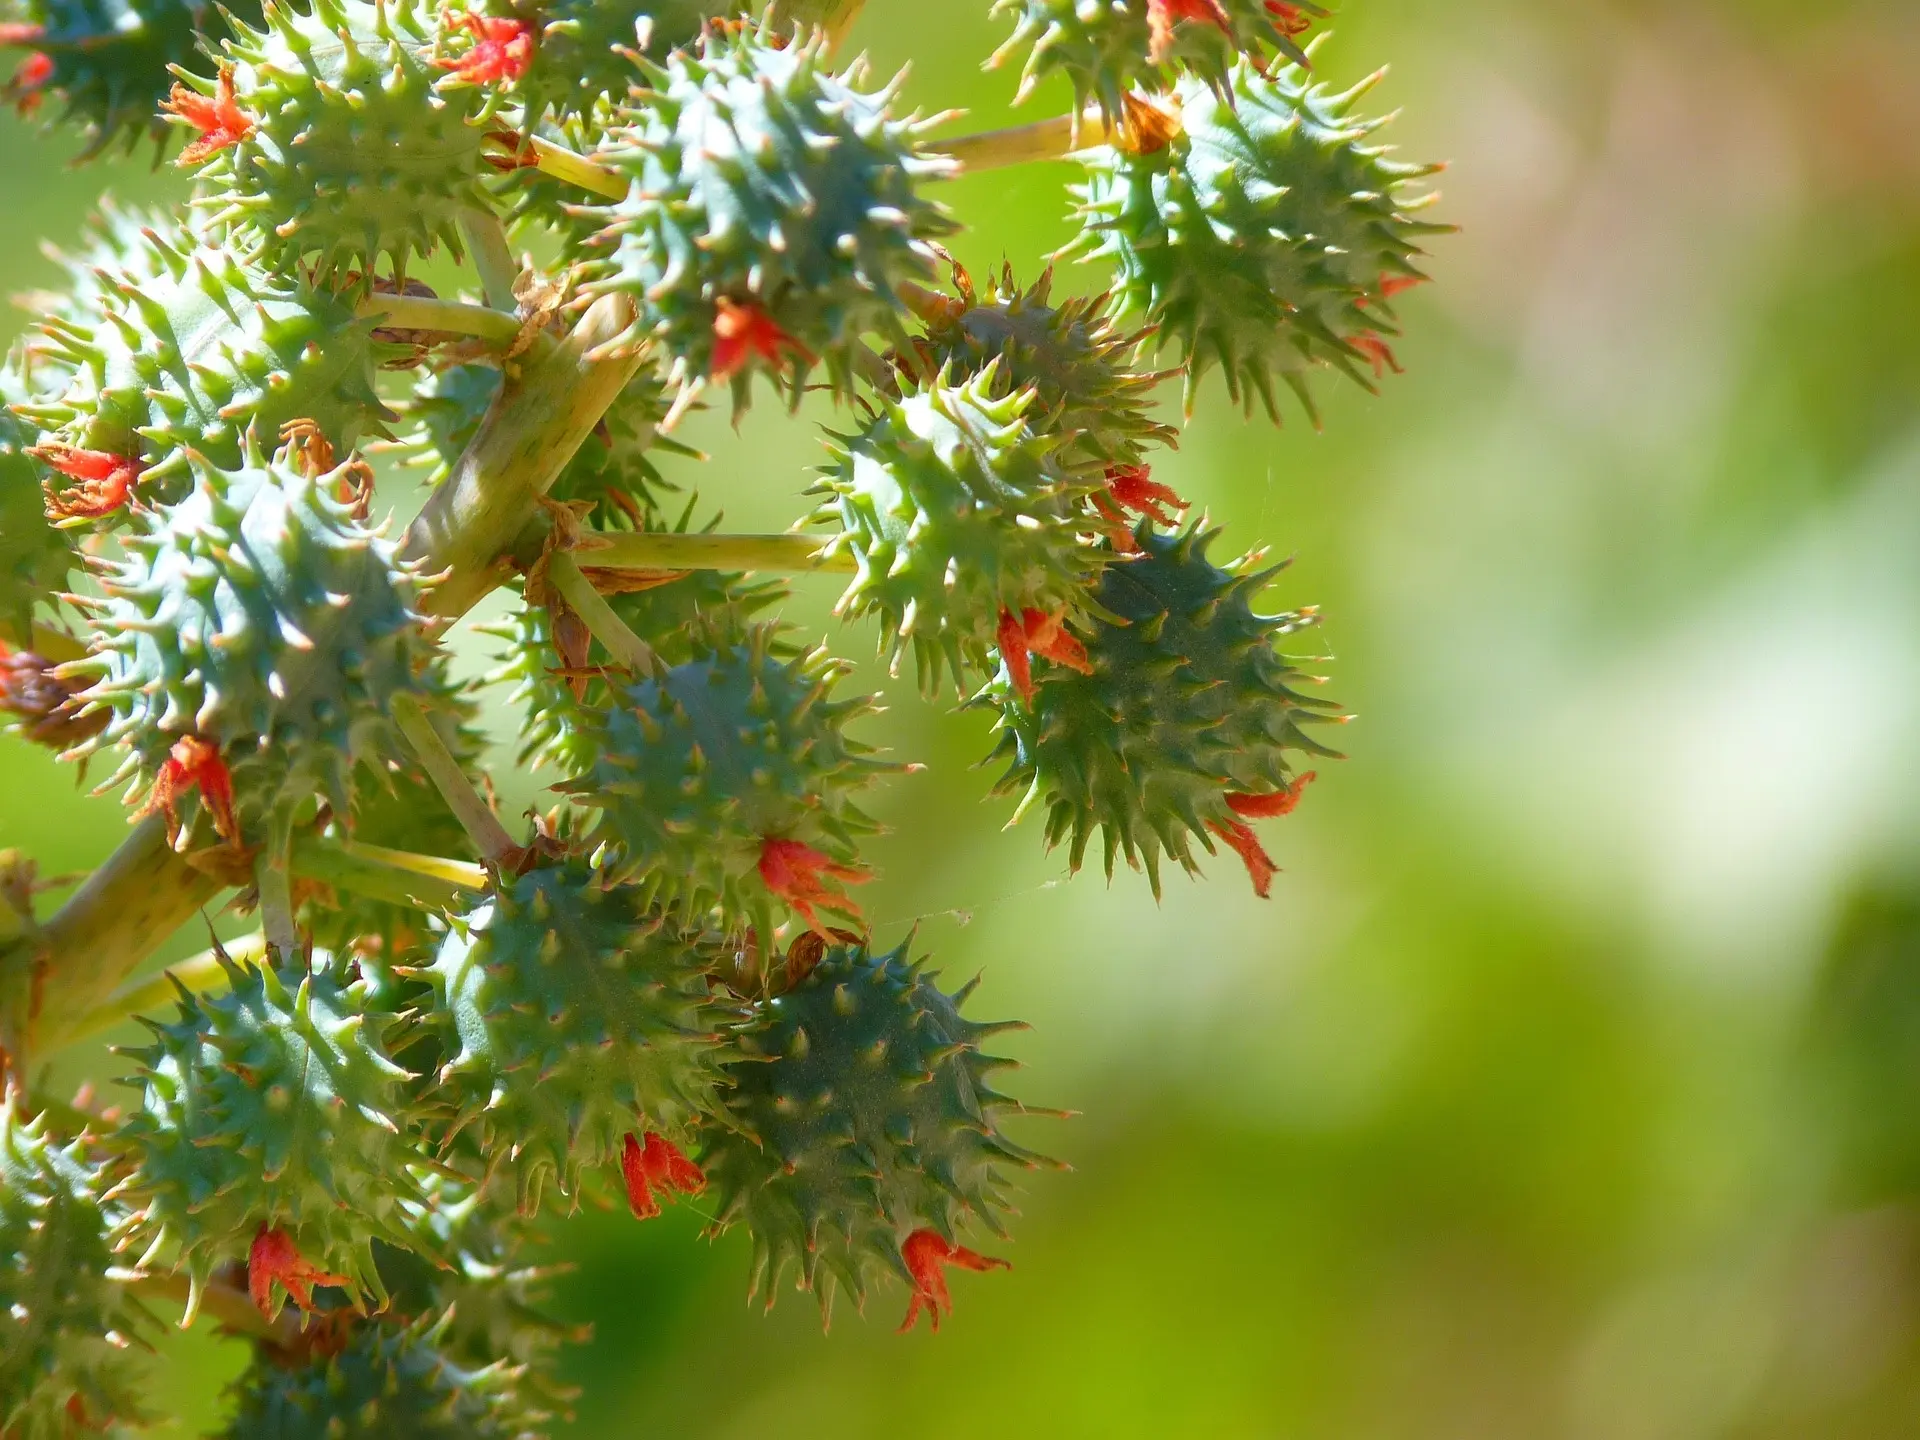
pixel 1569 1085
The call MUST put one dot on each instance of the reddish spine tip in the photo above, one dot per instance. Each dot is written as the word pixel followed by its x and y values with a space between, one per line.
pixel 743 332
pixel 927 1255
pixel 797 874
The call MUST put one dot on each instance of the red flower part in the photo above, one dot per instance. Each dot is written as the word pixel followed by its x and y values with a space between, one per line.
pixel 32 75
pixel 1392 285
pixel 1377 352
pixel 193 764
pixel 1132 488
pixel 1288 19
pixel 793 871
pixel 1037 634
pixel 1267 807
pixel 657 1164
pixel 501 51
pixel 927 1257
pixel 1163 15
pixel 1260 866
pixel 273 1257
pixel 742 332
pixel 21 33
pixel 105 481
pixel 219 118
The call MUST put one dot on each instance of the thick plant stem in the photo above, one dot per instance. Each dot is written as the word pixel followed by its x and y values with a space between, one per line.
pixel 492 258
pixel 665 551
pixel 575 169
pixel 1022 144
pixel 476 817
pixel 544 411
pixel 627 649
pixel 425 881
pixel 447 317
pixel 145 892
pixel 273 878
pixel 227 1304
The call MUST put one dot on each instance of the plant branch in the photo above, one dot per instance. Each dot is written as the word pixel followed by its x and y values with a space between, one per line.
pixel 492 258
pixel 627 649
pixel 447 317
pixel 530 152
pixel 652 550
pixel 422 881
pixel 476 817
pixel 1022 144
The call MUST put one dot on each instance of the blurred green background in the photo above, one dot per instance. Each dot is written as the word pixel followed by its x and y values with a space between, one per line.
pixel 1567 1085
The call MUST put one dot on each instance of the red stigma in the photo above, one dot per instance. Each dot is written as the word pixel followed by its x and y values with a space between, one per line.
pixel 1268 807
pixel 1392 285
pixel 1132 488
pixel 193 764
pixel 1245 844
pixel 219 118
pixel 273 1257
pixel 1163 15
pixel 793 871
pixel 659 1164
pixel 1034 633
pixel 106 481
pixel 33 73
pixel 927 1257
pixel 1378 354
pixel 501 51
pixel 1288 19
pixel 742 332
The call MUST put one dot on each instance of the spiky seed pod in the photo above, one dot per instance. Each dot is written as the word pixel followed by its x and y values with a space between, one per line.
pixel 1077 362
pixel 696 768
pixel 956 515
pixel 35 557
pixel 348 151
pixel 492 1290
pixel 71 1337
pixel 111 62
pixel 181 345
pixel 576 1018
pixel 859 1112
pixel 262 618
pixel 613 469
pixel 772 214
pixel 1267 237
pixel 389 1380
pixel 272 1105
pixel 1109 47
pixel 671 617
pixel 579 62
pixel 1185 701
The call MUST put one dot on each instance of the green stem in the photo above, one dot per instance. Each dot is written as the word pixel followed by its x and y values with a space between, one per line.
pixel 652 550
pixel 447 317
pixel 575 169
pixel 1022 144
pixel 492 258
pixel 142 997
pixel 626 648
pixel 544 411
pixel 273 877
pixel 229 1305
pixel 476 817
pixel 425 882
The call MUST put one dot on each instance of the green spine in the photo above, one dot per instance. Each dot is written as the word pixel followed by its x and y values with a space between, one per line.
pixel 578 67
pixel 574 1018
pixel 390 1381
pixel 261 617
pixel 35 557
pixel 1186 700
pixel 758 177
pixel 955 512
pixel 1264 238
pixel 859 1112
pixel 271 1105
pixel 71 1335
pixel 696 766
pixel 354 151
